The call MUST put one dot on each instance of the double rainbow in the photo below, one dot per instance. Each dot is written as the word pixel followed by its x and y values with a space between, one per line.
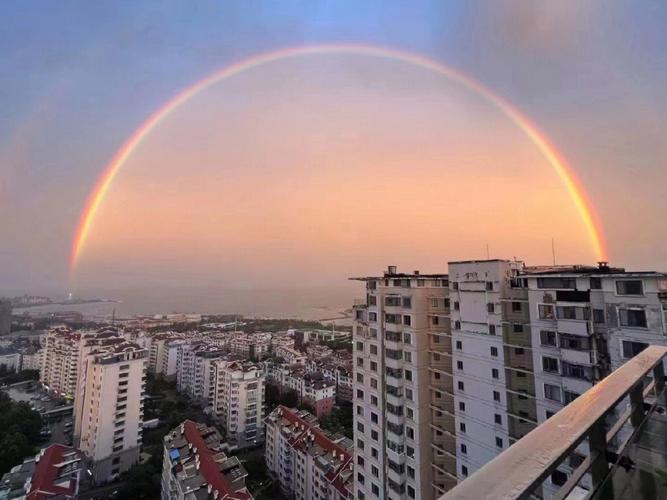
pixel 550 153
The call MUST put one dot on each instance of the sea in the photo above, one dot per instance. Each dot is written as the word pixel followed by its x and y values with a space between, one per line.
pixel 324 304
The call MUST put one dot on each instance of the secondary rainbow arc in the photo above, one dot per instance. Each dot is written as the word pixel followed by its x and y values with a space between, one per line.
pixel 564 171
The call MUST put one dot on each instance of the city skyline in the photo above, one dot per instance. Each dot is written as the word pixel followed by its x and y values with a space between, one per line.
pixel 60 136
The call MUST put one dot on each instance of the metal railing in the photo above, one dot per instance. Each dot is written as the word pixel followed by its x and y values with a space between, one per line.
pixel 518 472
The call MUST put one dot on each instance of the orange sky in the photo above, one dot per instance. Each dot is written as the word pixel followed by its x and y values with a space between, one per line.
pixel 302 172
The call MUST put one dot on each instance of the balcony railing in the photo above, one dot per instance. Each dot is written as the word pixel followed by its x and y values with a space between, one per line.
pixel 519 472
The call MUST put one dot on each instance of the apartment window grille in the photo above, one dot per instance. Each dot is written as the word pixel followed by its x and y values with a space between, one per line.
pixel 492 329
pixel 632 318
pixel 548 338
pixel 459 345
pixel 460 385
pixel 549 364
pixel 495 373
pixel 494 351
pixel 459 365
pixel 496 396
pixel 629 287
pixel 552 392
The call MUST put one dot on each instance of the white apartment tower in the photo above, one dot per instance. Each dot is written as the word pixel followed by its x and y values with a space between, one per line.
pixel 112 408
pixel 403 407
pixel 239 402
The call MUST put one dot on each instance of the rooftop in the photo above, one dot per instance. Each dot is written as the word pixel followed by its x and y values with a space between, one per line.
pixel 56 473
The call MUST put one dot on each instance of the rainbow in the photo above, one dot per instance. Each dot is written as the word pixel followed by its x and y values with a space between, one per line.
pixel 550 153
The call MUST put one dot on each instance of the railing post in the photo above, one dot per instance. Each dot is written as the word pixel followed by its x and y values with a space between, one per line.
pixel 597 441
pixel 659 383
pixel 637 405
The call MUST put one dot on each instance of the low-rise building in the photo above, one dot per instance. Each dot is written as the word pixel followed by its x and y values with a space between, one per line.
pixel 307 461
pixel 195 466
pixel 53 473
pixel 290 355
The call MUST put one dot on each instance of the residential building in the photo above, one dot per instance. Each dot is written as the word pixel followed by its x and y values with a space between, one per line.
pixel 239 402
pixel 290 355
pixel 55 472
pixel 10 359
pixel 492 363
pixel 308 461
pixel 255 346
pixel 31 360
pixel 111 401
pixel 195 466
pixel 402 391
pixel 60 362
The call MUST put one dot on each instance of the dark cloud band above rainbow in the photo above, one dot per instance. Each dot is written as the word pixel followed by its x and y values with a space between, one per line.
pixel 550 153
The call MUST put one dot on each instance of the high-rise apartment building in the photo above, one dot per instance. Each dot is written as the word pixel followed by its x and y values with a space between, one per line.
pixel 403 405
pixel 239 402
pixel 113 383
pixel 491 349
pixel 492 367
pixel 59 369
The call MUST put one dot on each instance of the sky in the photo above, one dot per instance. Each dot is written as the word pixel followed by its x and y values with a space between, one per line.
pixel 319 168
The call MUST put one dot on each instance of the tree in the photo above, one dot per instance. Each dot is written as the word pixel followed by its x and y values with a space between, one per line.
pixel 141 482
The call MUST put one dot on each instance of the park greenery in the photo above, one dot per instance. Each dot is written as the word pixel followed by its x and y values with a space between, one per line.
pixel 19 432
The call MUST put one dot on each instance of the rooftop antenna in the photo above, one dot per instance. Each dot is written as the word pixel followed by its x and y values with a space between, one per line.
pixel 487 252
pixel 553 250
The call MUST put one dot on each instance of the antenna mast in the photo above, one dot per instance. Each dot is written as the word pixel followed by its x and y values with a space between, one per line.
pixel 553 250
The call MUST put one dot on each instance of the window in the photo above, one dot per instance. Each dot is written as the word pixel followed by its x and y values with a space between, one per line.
pixel 407 356
pixel 629 287
pixel 494 351
pixel 556 283
pixel 490 307
pixel 374 383
pixel 492 329
pixel 631 349
pixel 360 346
pixel 373 349
pixel 360 378
pixel 499 442
pixel 569 396
pixel 410 432
pixel 548 338
pixel 409 412
pixel 633 318
pixel 495 373
pixel 517 327
pixel 464 449
pixel 462 406
pixel 496 396
pixel 374 366
pixel 374 435
pixel 407 302
pixel 407 320
pixel 411 472
pixel 457 325
pixel 408 375
pixel 460 385
pixel 459 345
pixel 498 419
pixel 516 306
pixel 552 392
pixel 372 316
pixel 375 471
pixel 360 427
pixel 374 400
pixel 374 418
pixel 408 394
pixel 598 316
pixel 360 362
pixel 456 305
pixel 375 489
pixel 360 394
pixel 489 286
pixel 573 312
pixel 548 414
pixel 596 284
pixel 374 453
pixel 558 477
pixel 462 426
pixel 407 338
pixel 519 351
pixel 549 364
pixel 360 478
pixel 459 365
pixel 435 320
pixel 464 471
pixel 455 285
pixel 360 410
pixel 545 311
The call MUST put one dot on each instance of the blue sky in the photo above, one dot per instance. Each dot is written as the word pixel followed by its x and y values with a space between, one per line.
pixel 77 77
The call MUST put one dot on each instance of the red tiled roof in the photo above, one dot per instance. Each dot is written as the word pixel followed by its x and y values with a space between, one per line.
pixel 46 473
pixel 324 442
pixel 209 468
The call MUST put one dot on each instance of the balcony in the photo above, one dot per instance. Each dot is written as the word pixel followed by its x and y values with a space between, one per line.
pixel 623 421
